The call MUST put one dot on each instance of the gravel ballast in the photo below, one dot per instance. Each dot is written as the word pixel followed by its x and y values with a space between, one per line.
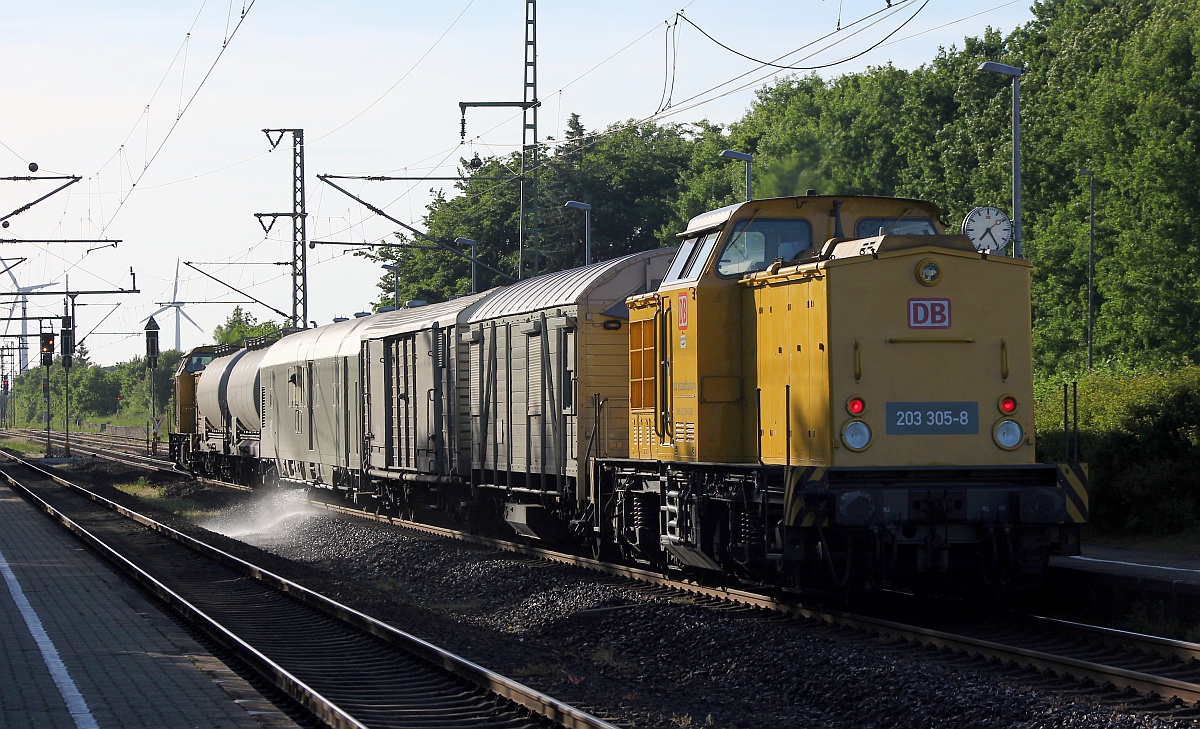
pixel 636 659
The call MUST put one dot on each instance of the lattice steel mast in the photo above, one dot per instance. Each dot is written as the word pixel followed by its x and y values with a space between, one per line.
pixel 530 156
pixel 299 231
pixel 529 141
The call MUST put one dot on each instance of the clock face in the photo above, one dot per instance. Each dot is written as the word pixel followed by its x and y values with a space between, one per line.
pixel 988 228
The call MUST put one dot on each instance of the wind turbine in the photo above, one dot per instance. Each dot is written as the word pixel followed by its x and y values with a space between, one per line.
pixel 177 305
pixel 24 299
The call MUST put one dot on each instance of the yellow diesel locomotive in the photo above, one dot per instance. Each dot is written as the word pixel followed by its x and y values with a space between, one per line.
pixel 812 390
pixel 833 387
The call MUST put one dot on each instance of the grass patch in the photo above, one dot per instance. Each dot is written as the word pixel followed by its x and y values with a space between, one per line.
pixel 22 445
pixel 533 669
pixel 157 497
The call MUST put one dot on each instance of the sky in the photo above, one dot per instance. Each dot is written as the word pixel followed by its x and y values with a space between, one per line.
pixel 159 107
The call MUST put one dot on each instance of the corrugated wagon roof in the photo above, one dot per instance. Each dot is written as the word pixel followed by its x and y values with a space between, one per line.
pixel 331 340
pixel 446 313
pixel 552 289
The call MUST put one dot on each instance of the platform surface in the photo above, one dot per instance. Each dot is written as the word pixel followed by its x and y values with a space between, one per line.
pixel 80 647
pixel 1134 562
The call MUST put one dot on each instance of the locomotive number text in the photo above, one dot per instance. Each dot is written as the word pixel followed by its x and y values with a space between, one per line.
pixel 932 418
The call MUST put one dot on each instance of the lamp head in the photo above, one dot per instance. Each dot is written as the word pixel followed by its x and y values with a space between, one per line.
pixel 577 205
pixel 465 241
pixel 740 156
pixel 993 67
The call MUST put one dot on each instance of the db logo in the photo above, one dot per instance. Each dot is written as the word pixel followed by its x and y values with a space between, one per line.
pixel 929 313
pixel 682 316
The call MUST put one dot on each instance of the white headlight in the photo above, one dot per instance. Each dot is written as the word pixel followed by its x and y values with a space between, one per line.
pixel 1008 434
pixel 856 435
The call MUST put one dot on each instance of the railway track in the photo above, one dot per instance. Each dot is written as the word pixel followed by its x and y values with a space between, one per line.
pixel 343 667
pixel 1158 674
pixel 1155 672
pixel 116 448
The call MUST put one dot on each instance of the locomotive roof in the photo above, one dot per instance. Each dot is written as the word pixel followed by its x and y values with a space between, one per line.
pixel 713 218
pixel 560 288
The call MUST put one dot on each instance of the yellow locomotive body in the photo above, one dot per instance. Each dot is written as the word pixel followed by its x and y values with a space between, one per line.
pixel 823 377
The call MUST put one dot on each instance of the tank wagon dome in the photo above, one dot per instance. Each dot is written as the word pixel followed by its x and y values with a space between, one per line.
pixel 242 391
pixel 212 388
pixel 563 288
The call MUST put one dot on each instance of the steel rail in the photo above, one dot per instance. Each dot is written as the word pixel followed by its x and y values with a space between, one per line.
pixel 1144 683
pixel 534 701
pixel 290 685
pixel 126 458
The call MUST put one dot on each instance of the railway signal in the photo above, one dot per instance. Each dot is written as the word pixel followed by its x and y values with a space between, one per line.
pixel 152 364
pixel 47 348
pixel 152 344
pixel 67 341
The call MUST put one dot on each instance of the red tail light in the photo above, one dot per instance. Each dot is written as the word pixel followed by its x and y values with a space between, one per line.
pixel 856 406
pixel 1008 404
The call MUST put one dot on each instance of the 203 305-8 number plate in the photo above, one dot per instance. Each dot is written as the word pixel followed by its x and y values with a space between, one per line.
pixel 933 418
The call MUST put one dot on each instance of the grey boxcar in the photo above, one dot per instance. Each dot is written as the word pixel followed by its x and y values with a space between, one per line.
pixel 415 400
pixel 548 382
pixel 309 383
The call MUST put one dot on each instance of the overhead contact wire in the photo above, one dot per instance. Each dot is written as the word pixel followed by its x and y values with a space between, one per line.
pixel 182 111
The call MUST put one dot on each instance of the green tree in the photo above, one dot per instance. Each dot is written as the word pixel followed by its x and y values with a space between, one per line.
pixel 242 325
pixel 95 391
pixel 1111 87
pixel 626 173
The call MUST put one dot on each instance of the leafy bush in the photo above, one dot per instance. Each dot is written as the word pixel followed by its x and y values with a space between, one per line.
pixel 1139 433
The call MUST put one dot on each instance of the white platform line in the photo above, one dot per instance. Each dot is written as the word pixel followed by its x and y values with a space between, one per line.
pixel 58 671
pixel 1135 564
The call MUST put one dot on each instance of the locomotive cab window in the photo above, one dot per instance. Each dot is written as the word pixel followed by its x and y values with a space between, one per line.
pixel 198 362
pixel 756 242
pixel 689 262
pixel 682 256
pixel 870 227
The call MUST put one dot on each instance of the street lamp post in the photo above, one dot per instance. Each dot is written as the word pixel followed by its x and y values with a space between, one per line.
pixel 1091 255
pixel 1015 74
pixel 469 242
pixel 587 228
pixel 396 271
pixel 748 159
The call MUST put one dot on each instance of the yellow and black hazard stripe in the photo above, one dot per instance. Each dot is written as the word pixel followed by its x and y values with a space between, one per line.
pixel 1073 480
pixel 796 512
